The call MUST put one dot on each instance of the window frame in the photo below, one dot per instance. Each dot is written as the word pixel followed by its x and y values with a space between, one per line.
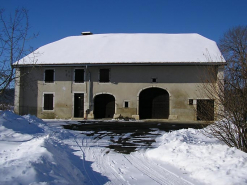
pixel 210 101
pixel 84 76
pixel 124 103
pixel 73 101
pixel 191 101
pixel 53 76
pixel 108 74
pixel 53 101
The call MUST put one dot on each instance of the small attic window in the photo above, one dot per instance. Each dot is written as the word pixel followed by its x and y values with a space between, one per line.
pixel 154 80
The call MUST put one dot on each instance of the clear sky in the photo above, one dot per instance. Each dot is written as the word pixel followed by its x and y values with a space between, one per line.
pixel 56 19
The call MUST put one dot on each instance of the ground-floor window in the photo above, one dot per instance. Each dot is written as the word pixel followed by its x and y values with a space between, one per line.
pixel 205 110
pixel 126 104
pixel 48 101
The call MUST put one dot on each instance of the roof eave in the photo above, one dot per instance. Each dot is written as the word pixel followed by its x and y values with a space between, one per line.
pixel 125 63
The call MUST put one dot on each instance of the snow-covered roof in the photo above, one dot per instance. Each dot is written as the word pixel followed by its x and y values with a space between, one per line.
pixel 127 48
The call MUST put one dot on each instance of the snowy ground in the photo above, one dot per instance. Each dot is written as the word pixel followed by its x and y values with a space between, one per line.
pixel 33 151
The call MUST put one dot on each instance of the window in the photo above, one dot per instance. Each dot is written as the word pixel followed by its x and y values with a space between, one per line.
pixel 79 76
pixel 48 101
pixel 126 104
pixel 190 101
pixel 154 80
pixel 49 75
pixel 205 110
pixel 104 75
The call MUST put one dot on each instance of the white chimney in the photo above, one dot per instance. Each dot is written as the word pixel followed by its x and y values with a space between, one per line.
pixel 86 33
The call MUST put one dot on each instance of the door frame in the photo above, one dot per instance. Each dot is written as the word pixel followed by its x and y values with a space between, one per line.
pixel 153 86
pixel 115 104
pixel 73 103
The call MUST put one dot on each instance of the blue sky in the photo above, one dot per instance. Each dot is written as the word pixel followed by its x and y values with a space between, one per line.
pixel 56 19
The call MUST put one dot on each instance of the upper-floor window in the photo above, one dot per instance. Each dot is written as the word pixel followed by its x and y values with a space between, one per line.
pixel 79 76
pixel 104 75
pixel 49 75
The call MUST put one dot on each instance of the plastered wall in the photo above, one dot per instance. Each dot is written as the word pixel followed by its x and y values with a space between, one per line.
pixel 126 82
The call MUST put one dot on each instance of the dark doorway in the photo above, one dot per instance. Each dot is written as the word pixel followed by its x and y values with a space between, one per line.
pixel 78 105
pixel 104 106
pixel 154 104
pixel 205 110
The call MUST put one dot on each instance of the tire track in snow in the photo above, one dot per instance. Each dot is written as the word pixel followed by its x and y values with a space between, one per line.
pixel 161 176
pixel 106 165
pixel 83 156
pixel 89 172
pixel 102 162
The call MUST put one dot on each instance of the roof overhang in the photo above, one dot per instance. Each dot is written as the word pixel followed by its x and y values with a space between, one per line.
pixel 125 64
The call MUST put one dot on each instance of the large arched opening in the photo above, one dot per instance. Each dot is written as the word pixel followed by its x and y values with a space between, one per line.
pixel 154 104
pixel 104 106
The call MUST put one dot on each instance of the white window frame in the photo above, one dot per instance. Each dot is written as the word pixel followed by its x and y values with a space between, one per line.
pixel 43 101
pixel 128 104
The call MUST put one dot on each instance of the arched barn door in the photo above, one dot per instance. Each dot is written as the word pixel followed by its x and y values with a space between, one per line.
pixel 154 104
pixel 104 106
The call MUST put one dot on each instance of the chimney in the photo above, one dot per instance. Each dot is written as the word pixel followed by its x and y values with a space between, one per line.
pixel 86 33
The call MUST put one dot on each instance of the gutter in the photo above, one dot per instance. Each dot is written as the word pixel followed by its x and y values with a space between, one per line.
pixel 125 64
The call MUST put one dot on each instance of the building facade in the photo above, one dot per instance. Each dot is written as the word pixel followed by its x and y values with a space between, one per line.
pixel 104 89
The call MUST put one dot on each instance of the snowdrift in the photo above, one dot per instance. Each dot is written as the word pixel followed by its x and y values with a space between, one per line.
pixel 203 158
pixel 31 153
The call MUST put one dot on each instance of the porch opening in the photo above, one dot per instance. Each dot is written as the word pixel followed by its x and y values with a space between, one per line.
pixel 154 104
pixel 78 105
pixel 104 106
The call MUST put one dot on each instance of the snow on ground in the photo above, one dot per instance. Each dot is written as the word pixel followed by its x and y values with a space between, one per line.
pixel 33 151
pixel 30 153
pixel 203 158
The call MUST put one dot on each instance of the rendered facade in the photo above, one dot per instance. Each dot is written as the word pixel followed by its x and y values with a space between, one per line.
pixel 106 89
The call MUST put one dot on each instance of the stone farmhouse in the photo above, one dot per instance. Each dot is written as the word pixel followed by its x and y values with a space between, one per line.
pixel 97 76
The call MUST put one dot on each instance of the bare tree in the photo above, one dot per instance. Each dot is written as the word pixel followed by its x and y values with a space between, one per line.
pixel 13 39
pixel 230 93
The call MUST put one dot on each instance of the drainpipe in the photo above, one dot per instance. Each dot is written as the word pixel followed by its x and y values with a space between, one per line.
pixel 89 87
pixel 88 90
